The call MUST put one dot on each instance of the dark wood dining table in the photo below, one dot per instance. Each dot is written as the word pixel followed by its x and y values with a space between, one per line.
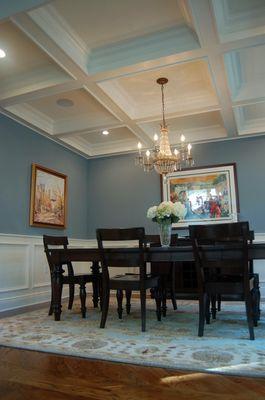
pixel 175 254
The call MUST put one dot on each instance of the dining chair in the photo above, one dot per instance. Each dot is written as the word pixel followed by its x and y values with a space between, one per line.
pixel 127 282
pixel 255 275
pixel 71 278
pixel 230 276
pixel 166 271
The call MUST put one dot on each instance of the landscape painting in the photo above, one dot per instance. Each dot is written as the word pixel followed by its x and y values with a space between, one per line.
pixel 209 194
pixel 48 198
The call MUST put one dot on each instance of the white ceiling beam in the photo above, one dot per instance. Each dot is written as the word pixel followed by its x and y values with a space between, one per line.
pixel 205 28
pixel 146 66
pixel 31 29
pixel 241 43
pixel 38 36
pixel 108 103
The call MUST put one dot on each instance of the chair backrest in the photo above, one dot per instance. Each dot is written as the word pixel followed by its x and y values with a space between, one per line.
pixel 230 234
pixel 116 259
pixel 51 242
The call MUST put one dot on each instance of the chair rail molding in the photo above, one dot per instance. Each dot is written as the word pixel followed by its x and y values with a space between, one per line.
pixel 25 276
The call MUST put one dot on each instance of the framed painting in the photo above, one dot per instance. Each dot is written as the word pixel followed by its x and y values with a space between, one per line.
pixel 209 194
pixel 48 198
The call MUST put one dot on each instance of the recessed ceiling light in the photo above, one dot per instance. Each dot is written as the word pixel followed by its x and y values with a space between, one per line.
pixel 2 53
pixel 65 102
pixel 105 132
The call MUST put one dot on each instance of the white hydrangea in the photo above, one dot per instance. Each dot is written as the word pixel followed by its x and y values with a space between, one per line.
pixel 167 211
pixel 179 210
pixel 151 212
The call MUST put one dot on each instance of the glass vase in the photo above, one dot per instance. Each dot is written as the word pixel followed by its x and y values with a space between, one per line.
pixel 165 234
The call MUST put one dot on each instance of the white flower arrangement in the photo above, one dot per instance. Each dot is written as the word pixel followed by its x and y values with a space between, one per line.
pixel 167 212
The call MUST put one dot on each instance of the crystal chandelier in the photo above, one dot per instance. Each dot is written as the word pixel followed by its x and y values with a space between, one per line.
pixel 161 157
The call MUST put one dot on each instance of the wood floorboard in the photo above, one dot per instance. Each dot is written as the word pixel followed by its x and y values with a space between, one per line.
pixel 30 375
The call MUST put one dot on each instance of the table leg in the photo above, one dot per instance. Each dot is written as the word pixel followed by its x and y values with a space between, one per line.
pixel 57 291
pixel 96 282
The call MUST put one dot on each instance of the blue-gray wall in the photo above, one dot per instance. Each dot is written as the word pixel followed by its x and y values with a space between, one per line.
pixel 120 193
pixel 108 192
pixel 19 148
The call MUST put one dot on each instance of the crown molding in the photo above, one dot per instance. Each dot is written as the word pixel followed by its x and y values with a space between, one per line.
pixel 33 116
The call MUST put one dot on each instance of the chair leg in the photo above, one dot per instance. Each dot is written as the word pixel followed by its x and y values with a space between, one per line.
pixel 51 304
pixel 173 290
pixel 71 295
pixel 219 300
pixel 257 289
pixel 119 295
pixel 207 309
pixel 95 286
pixel 143 308
pixel 249 312
pixel 96 282
pixel 83 299
pixel 128 293
pixel 173 299
pixel 100 291
pixel 105 306
pixel 255 306
pixel 158 295
pixel 163 291
pixel 213 309
pixel 202 300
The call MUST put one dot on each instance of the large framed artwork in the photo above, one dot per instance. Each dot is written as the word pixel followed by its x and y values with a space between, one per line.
pixel 48 198
pixel 209 194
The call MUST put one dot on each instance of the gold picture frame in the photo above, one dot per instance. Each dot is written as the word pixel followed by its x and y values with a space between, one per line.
pixel 48 199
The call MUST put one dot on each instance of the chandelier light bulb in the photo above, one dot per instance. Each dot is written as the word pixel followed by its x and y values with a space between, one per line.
pixel 155 137
pixel 105 132
pixel 189 148
pixel 176 152
pixel 182 138
pixel 2 53
pixel 139 145
pixel 147 153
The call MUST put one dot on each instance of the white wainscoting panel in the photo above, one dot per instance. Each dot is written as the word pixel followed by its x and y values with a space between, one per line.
pixel 24 271
pixel 25 276
pixel 14 267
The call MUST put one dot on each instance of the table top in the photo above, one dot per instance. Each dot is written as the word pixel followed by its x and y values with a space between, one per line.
pixel 256 251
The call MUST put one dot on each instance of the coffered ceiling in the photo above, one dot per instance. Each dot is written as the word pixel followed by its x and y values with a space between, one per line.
pixel 74 68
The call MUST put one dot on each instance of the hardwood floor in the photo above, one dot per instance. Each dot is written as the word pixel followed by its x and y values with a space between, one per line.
pixel 31 375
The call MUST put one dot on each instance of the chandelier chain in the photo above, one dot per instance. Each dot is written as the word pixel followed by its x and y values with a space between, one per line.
pixel 163 106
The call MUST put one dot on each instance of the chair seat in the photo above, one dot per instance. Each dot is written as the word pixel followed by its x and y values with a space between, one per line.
pixel 80 278
pixel 132 281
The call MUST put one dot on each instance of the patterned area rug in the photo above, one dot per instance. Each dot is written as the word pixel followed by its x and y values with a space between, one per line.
pixel 171 343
